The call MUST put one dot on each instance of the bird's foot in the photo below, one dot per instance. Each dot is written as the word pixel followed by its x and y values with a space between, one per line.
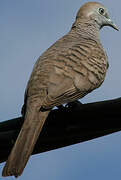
pixel 61 107
pixel 74 105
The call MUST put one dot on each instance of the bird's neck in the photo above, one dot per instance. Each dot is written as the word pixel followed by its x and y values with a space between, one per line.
pixel 86 29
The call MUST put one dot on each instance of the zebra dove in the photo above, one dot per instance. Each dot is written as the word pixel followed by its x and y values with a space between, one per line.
pixel 71 68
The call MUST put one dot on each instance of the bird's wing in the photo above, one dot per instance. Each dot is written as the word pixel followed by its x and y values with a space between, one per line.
pixel 72 76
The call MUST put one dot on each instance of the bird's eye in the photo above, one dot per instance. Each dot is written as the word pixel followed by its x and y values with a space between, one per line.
pixel 101 11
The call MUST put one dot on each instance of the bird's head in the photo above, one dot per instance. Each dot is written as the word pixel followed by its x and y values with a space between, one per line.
pixel 97 12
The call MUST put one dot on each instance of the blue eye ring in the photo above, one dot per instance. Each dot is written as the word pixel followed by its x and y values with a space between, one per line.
pixel 101 11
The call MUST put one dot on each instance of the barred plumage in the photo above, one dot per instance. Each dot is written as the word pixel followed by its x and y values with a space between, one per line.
pixel 71 68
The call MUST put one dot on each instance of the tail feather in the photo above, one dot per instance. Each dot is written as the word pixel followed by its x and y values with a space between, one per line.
pixel 25 143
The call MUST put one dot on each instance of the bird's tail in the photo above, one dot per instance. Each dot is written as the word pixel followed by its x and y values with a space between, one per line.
pixel 25 143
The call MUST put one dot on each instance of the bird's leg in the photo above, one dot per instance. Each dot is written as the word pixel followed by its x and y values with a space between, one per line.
pixel 61 107
pixel 74 105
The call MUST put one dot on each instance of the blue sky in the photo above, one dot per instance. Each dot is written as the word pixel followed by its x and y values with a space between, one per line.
pixel 28 28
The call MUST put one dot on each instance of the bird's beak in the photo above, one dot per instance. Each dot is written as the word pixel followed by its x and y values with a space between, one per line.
pixel 111 23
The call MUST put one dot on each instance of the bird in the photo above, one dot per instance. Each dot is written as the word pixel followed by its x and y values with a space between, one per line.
pixel 72 67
